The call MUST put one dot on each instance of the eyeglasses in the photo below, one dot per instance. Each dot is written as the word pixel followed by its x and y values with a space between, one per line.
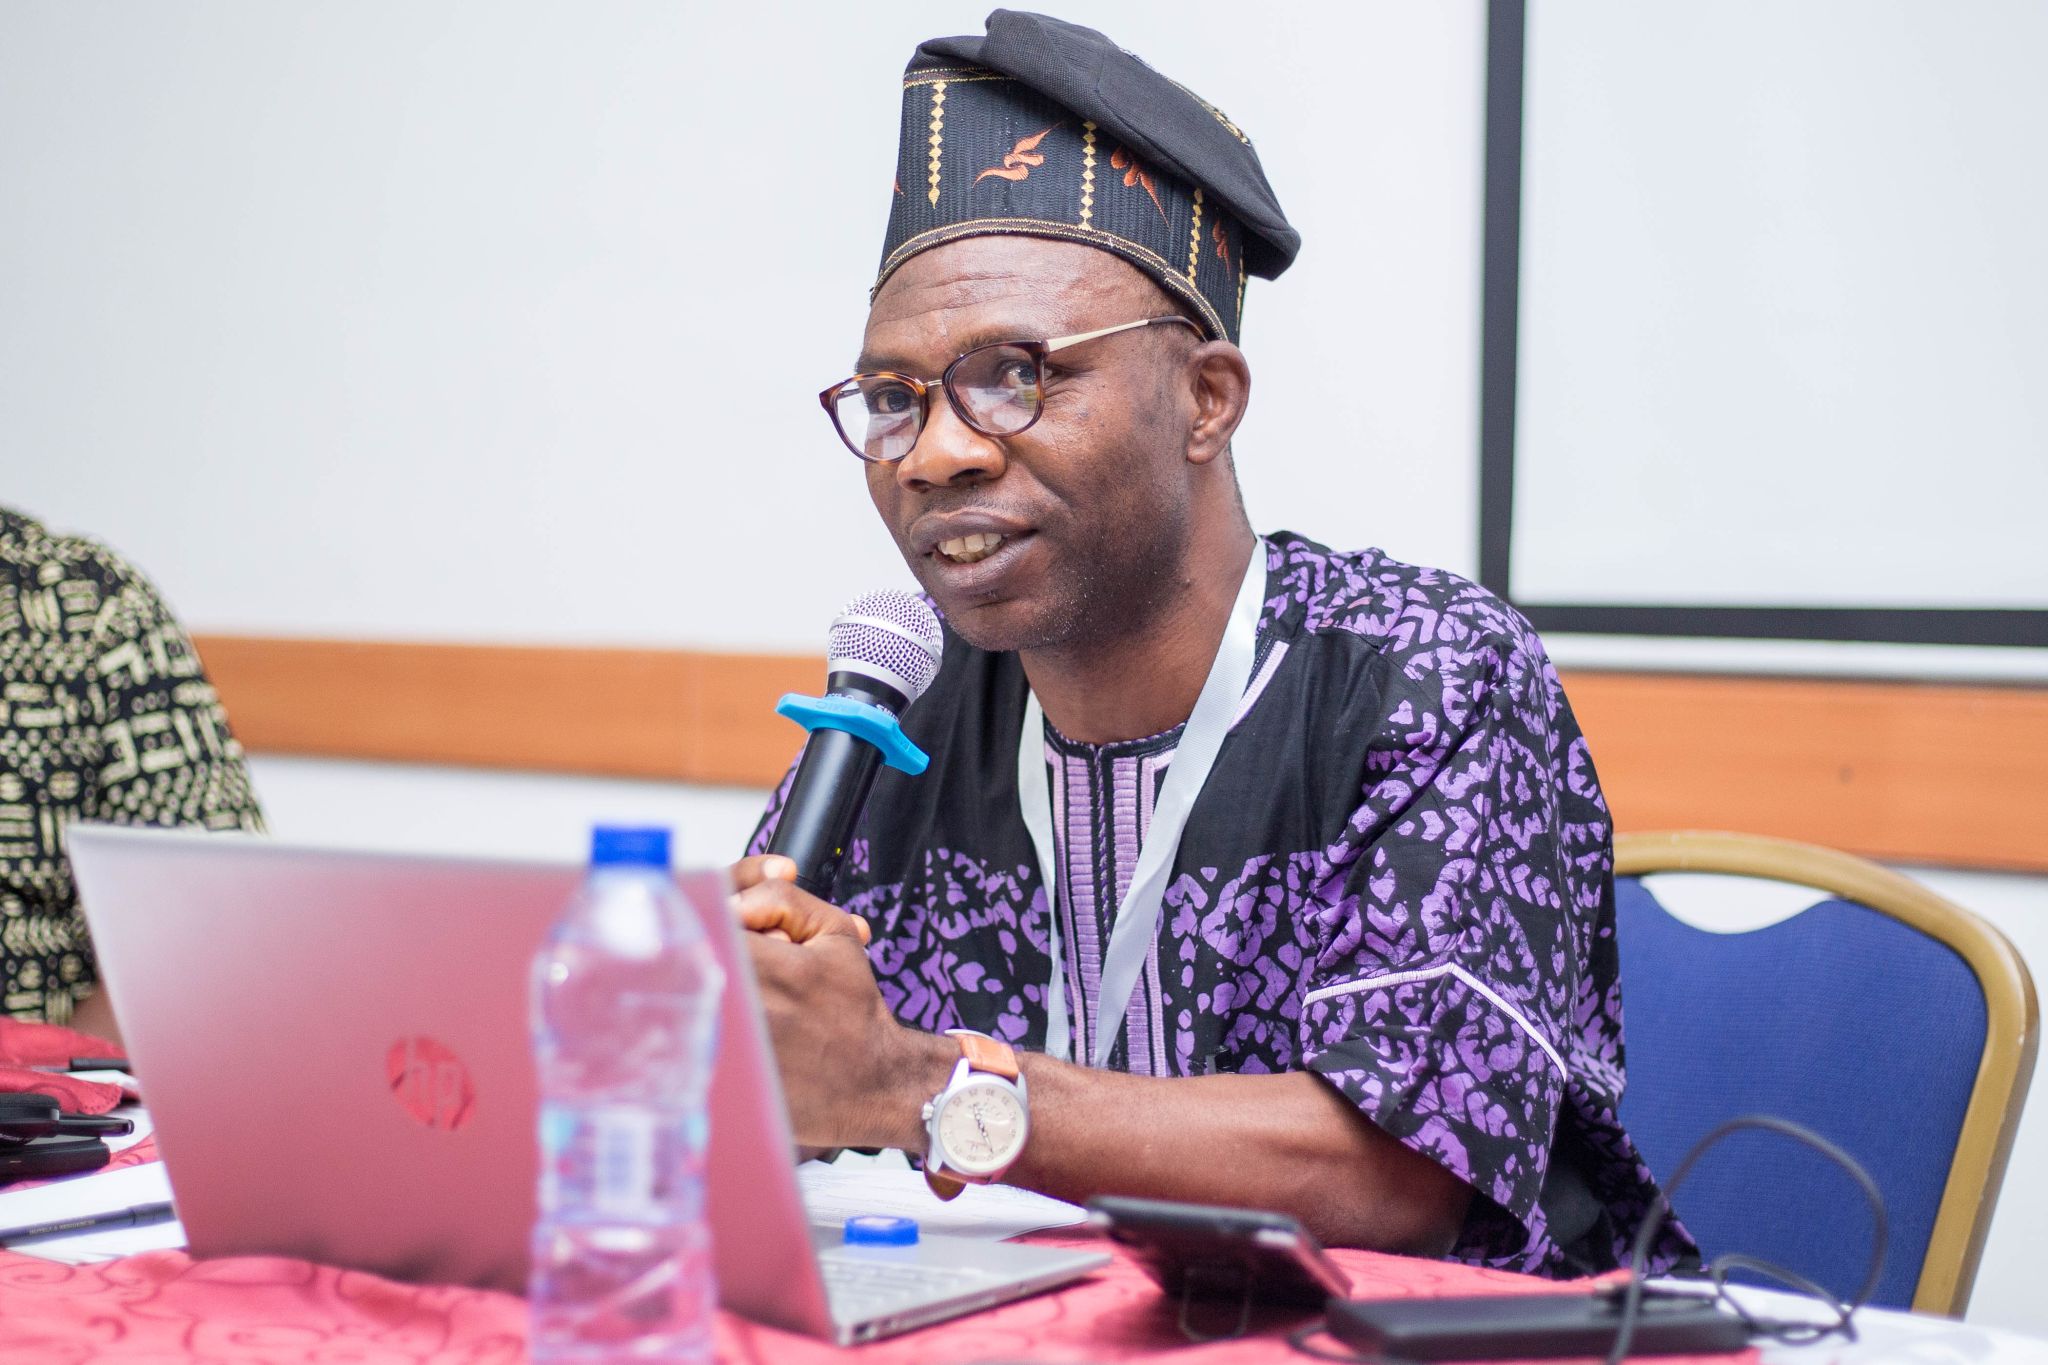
pixel 997 390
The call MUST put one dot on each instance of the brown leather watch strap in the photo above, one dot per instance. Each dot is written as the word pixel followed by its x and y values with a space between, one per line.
pixel 986 1054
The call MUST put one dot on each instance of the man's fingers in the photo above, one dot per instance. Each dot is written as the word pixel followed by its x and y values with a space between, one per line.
pixel 762 867
pixel 830 922
pixel 771 905
pixel 843 925
pixel 781 908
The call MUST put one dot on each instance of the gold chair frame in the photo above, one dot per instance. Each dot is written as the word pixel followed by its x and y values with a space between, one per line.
pixel 2012 1018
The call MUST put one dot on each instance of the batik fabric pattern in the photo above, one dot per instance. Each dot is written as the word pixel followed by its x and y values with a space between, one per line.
pixel 1398 875
pixel 105 714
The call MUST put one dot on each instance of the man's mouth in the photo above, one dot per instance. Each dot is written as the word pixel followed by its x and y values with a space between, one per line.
pixel 970 549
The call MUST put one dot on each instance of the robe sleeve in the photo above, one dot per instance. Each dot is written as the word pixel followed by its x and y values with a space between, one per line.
pixel 765 831
pixel 1454 941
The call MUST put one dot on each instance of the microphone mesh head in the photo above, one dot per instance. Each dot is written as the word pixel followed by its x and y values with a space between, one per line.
pixel 891 636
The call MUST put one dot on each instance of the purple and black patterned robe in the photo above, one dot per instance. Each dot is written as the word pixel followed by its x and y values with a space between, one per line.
pixel 1397 876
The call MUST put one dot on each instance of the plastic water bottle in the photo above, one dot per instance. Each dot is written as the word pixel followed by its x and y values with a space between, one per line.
pixel 625 1020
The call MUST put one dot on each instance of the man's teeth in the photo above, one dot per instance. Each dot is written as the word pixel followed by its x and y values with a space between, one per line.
pixel 968 549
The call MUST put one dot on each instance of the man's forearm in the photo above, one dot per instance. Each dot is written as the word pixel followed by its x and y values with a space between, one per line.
pixel 855 1077
pixel 1290 1143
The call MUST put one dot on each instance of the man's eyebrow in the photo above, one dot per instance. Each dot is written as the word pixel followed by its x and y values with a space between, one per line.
pixel 870 361
pixel 988 335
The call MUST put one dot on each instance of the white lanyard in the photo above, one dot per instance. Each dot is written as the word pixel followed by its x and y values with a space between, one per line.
pixel 1137 919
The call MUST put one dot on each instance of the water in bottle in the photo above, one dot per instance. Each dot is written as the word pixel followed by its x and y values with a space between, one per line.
pixel 625 1018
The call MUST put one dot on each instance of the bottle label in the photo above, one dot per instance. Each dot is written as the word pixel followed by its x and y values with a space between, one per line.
pixel 624 1160
pixel 612 1162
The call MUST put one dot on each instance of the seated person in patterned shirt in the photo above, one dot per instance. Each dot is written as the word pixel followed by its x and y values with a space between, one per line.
pixel 105 714
pixel 1376 987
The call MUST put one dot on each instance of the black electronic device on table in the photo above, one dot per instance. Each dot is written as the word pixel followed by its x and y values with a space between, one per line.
pixel 52 1156
pixel 1197 1251
pixel 37 1138
pixel 1531 1326
pixel 28 1115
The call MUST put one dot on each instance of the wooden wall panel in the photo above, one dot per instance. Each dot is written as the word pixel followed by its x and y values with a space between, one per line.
pixel 1951 775
pixel 1913 772
pixel 621 712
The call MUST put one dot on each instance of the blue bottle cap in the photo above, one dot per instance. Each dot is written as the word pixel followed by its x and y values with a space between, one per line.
pixel 629 846
pixel 880 1230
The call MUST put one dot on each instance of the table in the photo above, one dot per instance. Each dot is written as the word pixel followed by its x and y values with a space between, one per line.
pixel 159 1307
pixel 163 1306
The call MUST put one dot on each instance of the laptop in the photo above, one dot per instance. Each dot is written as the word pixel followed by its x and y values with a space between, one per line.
pixel 333 1048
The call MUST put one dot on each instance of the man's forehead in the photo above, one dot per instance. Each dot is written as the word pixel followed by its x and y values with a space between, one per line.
pixel 1013 285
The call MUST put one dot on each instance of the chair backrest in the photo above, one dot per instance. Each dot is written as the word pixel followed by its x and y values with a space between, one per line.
pixel 1884 1017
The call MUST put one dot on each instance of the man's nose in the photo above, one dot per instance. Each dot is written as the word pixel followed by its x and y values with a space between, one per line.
pixel 948 452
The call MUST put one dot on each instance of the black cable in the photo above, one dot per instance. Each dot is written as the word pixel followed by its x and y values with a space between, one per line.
pixel 1789 1332
pixel 1718 1268
pixel 1633 1292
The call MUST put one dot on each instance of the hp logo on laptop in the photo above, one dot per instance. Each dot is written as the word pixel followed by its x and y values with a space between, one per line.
pixel 430 1083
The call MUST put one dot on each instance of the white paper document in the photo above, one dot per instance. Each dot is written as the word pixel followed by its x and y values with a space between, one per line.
pixel 833 1194
pixel 101 1192
pixel 120 1078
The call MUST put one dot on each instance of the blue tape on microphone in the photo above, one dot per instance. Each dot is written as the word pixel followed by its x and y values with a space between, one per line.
pixel 862 720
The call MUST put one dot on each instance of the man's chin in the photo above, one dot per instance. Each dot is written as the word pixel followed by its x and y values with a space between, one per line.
pixel 998 627
pixel 1016 607
pixel 1002 626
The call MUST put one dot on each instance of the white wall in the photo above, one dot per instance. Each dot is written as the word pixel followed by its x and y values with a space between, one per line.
pixel 502 321
pixel 418 809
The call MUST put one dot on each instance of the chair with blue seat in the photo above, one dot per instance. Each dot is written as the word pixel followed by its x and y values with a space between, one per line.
pixel 1882 1016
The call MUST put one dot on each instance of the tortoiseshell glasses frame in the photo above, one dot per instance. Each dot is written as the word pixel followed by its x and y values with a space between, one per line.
pixel 997 390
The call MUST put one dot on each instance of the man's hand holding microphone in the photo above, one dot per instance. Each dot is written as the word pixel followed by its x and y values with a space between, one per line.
pixel 852 1075
pixel 769 902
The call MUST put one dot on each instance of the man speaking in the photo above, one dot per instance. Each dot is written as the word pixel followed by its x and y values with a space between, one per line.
pixel 1256 873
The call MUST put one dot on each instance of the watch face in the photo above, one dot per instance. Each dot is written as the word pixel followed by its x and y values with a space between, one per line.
pixel 981 1127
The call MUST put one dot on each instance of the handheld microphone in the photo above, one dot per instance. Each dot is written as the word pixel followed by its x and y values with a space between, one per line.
pixel 883 653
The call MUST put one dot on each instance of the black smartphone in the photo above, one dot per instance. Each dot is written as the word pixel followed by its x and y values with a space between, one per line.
pixel 52 1156
pixel 1199 1251
pixel 26 1116
pixel 1531 1326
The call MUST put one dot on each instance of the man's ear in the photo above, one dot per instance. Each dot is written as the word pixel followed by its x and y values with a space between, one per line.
pixel 1221 384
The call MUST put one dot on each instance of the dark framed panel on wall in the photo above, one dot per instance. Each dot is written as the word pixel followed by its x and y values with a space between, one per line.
pixel 1503 335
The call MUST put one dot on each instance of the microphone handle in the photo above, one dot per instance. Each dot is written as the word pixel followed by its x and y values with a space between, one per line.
pixel 825 801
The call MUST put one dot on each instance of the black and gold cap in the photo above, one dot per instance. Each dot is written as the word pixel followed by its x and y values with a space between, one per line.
pixel 1048 129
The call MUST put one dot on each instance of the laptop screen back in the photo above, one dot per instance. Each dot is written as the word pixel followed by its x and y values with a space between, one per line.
pixel 333 1047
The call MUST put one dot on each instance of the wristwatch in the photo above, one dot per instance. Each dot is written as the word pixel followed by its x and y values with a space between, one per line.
pixel 979 1122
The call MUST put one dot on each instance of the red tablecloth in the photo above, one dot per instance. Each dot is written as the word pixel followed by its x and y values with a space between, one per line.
pixel 164 1307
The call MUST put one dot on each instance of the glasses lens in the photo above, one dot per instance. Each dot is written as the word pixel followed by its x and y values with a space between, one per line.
pixel 879 416
pixel 998 387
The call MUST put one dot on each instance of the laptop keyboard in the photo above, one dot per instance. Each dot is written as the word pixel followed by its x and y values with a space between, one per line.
pixel 858 1287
